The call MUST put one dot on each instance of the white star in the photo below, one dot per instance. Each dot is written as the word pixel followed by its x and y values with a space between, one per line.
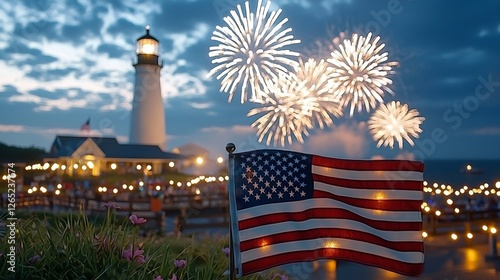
pixel 291 194
pixel 280 195
pixel 297 189
pixel 303 193
pixel 257 197
pixel 285 188
pixel 273 189
pixel 250 192
pixel 244 187
pixel 262 190
pixel 246 198
pixel 269 195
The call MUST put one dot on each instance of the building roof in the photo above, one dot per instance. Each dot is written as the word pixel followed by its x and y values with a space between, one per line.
pixel 65 146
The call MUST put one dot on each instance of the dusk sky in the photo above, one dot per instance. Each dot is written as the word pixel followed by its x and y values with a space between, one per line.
pixel 62 62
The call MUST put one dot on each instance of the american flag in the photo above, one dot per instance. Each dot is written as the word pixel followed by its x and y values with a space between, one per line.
pixel 289 207
pixel 85 126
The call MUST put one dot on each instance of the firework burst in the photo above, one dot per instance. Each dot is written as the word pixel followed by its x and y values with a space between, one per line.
pixel 394 121
pixel 285 111
pixel 321 103
pixel 251 50
pixel 360 72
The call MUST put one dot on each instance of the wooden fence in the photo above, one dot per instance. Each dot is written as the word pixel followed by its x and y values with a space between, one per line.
pixel 186 210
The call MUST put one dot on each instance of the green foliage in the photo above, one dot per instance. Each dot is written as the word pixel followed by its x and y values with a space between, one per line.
pixel 19 154
pixel 72 247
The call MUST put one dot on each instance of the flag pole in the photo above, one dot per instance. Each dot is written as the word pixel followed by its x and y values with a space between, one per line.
pixel 230 148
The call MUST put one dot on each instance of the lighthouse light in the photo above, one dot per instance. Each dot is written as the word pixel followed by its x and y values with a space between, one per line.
pixel 147 46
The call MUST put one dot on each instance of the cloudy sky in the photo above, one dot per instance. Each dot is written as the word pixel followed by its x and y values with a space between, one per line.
pixel 62 62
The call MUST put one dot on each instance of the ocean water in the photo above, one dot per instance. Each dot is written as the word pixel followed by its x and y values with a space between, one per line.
pixel 453 172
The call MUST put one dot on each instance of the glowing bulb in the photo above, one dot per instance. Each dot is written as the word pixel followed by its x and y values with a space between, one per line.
pixel 424 234
pixel 493 230
pixel 454 236
pixel 113 166
pixel 199 160
pixel 485 227
pixel 438 213
pixel 470 235
pixel 115 190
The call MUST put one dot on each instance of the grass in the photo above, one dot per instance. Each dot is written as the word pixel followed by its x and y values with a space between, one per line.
pixel 71 246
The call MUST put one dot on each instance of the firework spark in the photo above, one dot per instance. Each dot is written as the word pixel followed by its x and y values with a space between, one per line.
pixel 322 104
pixel 394 121
pixel 360 72
pixel 285 111
pixel 251 50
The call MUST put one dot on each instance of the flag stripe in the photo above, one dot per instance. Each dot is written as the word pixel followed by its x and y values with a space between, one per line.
pixel 323 217
pixel 267 261
pixel 375 175
pixel 370 193
pixel 331 243
pixel 370 184
pixel 318 232
pixel 390 165
pixel 395 205
pixel 300 206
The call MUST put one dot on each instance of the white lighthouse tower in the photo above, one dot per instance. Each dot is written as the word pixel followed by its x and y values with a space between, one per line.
pixel 148 115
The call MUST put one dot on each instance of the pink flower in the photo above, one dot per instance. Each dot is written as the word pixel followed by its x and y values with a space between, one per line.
pixel 137 221
pixel 226 251
pixel 111 205
pixel 33 259
pixel 158 278
pixel 174 277
pixel 180 263
pixel 140 259
pixel 137 255
pixel 280 276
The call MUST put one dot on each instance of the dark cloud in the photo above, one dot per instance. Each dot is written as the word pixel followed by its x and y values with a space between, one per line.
pixel 7 92
pixel 52 74
pixel 113 51
pixel 125 27
pixel 46 94
pixel 183 16
pixel 36 30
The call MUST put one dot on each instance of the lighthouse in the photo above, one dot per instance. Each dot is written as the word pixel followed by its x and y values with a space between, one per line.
pixel 148 116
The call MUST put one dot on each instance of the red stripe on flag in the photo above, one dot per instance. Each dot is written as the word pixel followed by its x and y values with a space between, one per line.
pixel 403 246
pixel 389 205
pixel 327 213
pixel 411 269
pixel 370 184
pixel 364 165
